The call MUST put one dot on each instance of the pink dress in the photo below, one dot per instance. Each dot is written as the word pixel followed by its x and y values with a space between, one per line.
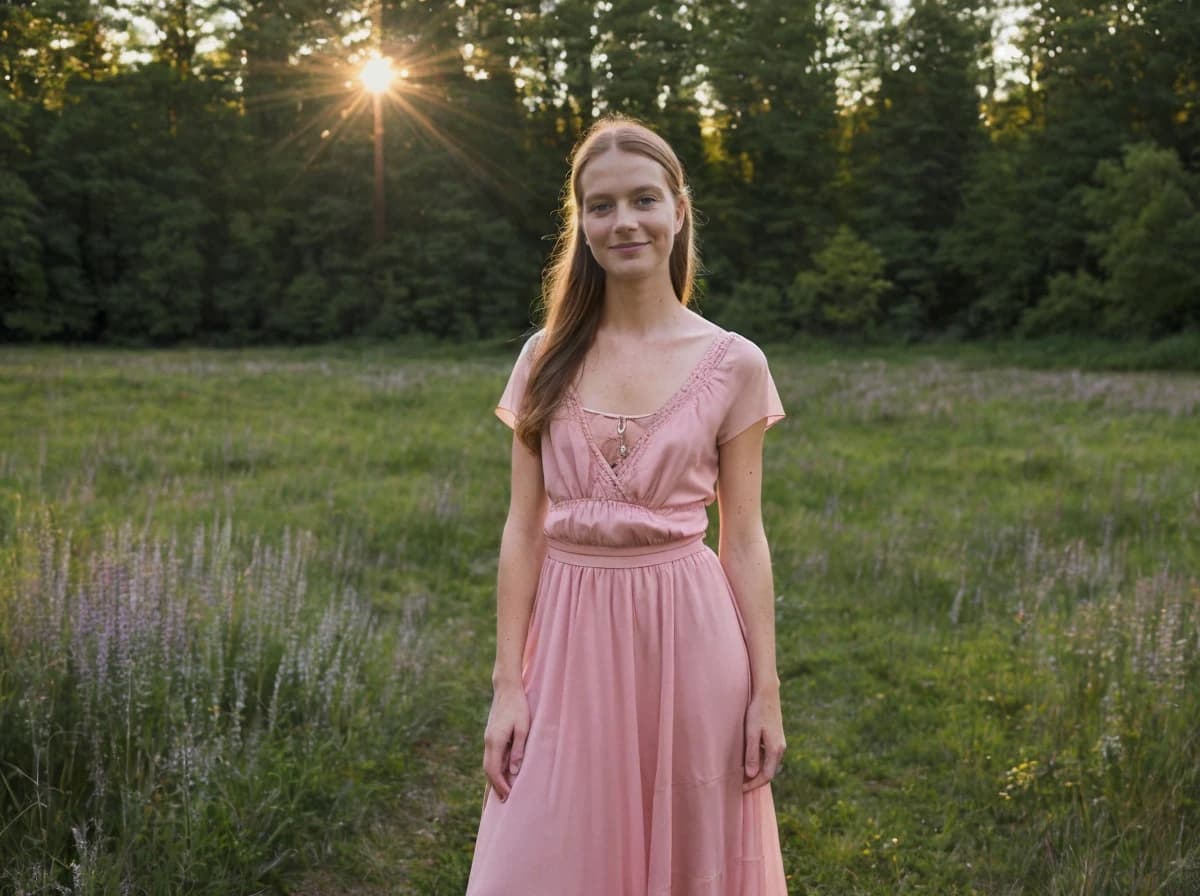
pixel 635 664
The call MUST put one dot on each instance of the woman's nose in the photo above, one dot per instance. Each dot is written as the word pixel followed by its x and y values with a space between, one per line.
pixel 625 218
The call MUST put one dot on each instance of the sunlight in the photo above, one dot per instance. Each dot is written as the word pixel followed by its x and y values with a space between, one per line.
pixel 340 88
pixel 377 74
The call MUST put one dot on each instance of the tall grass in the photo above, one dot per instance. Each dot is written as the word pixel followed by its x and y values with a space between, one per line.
pixel 1113 782
pixel 173 708
pixel 987 617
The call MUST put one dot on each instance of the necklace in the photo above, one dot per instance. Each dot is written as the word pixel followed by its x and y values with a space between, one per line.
pixel 622 422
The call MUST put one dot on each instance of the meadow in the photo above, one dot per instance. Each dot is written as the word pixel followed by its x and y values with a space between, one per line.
pixel 247 625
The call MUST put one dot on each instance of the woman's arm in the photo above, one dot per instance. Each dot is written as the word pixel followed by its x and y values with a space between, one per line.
pixel 522 549
pixel 746 559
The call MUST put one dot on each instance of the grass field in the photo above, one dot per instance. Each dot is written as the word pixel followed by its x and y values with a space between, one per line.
pixel 246 620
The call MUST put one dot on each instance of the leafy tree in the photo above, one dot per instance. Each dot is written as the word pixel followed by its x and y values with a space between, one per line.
pixel 222 190
pixel 1146 218
pixel 48 43
pixel 1145 214
pixel 756 310
pixel 995 249
pixel 842 293
pixel 1103 74
pixel 22 280
pixel 1082 109
pixel 1099 75
pixel 465 265
pixel 647 52
pixel 909 161
pixel 1168 108
pixel 770 140
pixel 129 210
pixel 1071 305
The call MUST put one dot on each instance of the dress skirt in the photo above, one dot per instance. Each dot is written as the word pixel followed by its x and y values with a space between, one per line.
pixel 638 678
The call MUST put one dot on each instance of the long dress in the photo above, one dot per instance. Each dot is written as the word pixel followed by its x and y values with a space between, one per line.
pixel 635 665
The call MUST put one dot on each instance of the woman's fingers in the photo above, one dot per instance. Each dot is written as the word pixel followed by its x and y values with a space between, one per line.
pixel 757 781
pixel 772 758
pixel 763 759
pixel 517 751
pixel 495 755
pixel 753 750
pixel 504 740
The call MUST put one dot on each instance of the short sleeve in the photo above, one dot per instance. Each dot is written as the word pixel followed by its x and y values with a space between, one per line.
pixel 754 394
pixel 509 405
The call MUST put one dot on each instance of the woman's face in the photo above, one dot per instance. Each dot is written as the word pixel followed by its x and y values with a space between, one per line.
pixel 630 216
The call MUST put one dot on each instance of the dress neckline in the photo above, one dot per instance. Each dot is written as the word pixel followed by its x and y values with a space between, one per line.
pixel 692 374
pixel 617 473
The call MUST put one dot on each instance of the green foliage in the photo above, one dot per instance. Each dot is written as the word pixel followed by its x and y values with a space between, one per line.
pixel 1146 215
pixel 753 309
pixel 996 247
pixel 1103 80
pixel 47 44
pixel 21 276
pixel 765 187
pixel 1071 305
pixel 22 280
pixel 219 189
pixel 910 163
pixel 842 295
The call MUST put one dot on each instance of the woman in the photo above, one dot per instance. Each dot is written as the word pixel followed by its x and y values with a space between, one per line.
pixel 636 723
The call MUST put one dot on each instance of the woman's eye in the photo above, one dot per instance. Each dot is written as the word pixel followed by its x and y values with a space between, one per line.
pixel 646 200
pixel 598 207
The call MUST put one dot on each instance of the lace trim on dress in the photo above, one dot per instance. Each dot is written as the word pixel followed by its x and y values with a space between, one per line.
pixel 699 373
pixel 615 474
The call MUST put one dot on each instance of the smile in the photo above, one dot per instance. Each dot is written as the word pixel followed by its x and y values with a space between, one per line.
pixel 627 246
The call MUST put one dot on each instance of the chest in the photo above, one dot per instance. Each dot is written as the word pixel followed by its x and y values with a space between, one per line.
pixel 642 454
pixel 637 382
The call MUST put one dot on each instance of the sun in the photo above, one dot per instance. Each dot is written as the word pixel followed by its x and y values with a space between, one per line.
pixel 377 74
pixel 340 84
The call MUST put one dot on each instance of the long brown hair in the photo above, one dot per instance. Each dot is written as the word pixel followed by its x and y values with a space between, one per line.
pixel 573 285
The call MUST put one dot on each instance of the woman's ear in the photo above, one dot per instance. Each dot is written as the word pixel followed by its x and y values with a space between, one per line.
pixel 680 212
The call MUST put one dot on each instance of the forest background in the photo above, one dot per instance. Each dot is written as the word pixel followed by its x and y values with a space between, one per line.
pixel 201 170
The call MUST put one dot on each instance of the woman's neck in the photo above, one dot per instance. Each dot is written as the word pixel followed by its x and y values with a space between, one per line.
pixel 639 306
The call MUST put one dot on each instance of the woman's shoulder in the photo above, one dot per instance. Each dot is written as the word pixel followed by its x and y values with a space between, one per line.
pixel 744 353
pixel 530 345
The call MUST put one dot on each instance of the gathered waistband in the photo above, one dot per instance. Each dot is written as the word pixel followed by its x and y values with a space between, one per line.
pixel 623 557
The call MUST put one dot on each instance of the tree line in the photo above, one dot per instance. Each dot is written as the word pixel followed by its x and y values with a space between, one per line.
pixel 201 170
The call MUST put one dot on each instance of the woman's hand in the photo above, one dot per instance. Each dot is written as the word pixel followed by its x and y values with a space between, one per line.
pixel 504 740
pixel 764 739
